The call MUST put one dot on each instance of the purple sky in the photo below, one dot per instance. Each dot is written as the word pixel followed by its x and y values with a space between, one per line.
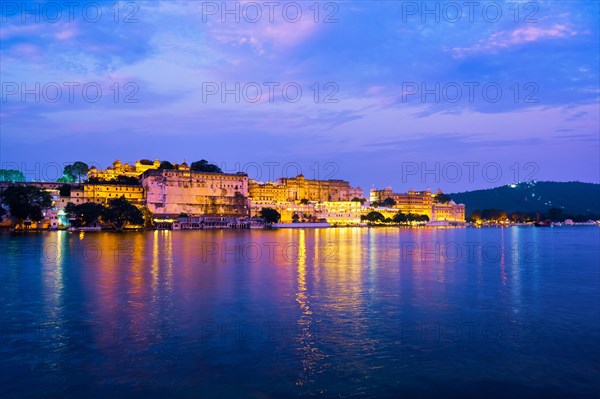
pixel 528 75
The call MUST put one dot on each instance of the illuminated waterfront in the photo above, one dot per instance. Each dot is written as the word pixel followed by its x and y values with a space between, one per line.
pixel 340 312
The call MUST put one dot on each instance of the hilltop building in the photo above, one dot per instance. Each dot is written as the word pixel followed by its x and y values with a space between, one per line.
pixel 123 169
pixel 171 192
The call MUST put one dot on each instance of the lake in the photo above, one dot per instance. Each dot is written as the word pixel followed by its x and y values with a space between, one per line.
pixel 349 312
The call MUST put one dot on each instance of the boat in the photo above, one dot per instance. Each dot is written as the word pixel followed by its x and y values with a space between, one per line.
pixel 544 223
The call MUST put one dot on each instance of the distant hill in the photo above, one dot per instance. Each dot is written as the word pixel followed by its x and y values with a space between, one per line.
pixel 572 197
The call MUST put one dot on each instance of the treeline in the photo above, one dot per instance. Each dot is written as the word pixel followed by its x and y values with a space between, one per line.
pixel 77 172
pixel 11 175
pixel 398 218
pixel 118 213
pixel 553 214
pixel 28 203
pixel 25 203
pixel 199 166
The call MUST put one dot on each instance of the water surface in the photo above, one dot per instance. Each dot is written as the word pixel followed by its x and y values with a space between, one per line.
pixel 332 312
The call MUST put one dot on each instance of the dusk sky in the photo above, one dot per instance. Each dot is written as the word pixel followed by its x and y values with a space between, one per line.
pixel 369 124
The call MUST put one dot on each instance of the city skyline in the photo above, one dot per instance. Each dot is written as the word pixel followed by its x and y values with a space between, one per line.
pixel 386 87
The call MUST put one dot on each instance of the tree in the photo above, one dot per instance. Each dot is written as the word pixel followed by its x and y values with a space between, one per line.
pixel 295 217
pixel 442 198
pixel 121 212
pixel 26 202
pixel 493 215
pixel 11 175
pixel 148 217
pixel 75 171
pixel 65 190
pixel 400 218
pixel 374 217
pixel 203 166
pixel 423 218
pixel 65 179
pixel 389 202
pixel 304 201
pixel 475 216
pixel 270 215
pixel 555 214
pixel 166 165
pixel 361 200
pixel 2 212
pixel 87 213
pixel 519 217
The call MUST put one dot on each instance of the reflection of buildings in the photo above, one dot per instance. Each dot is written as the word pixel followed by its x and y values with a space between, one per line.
pixel 311 355
pixel 123 169
pixel 171 192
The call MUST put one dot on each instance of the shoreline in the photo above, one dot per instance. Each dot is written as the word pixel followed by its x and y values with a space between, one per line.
pixel 312 226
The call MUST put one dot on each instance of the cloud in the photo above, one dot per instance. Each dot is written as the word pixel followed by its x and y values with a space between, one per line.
pixel 67 32
pixel 263 37
pixel 506 39
pixel 19 31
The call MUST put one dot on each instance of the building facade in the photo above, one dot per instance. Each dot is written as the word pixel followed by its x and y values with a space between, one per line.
pixel 172 192
pixel 269 193
pixel 417 202
pixel 299 188
pixel 451 212
pixel 340 213
pixel 102 193
pixel 421 203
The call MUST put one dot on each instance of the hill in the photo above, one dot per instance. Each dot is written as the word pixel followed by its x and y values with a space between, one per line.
pixel 572 197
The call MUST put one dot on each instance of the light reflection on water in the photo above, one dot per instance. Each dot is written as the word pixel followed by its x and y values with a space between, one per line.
pixel 338 312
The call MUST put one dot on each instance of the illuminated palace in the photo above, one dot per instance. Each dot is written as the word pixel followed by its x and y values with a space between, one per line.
pixel 102 193
pixel 307 200
pixel 123 169
pixel 172 192
pixel 169 193
pixel 298 188
pixel 421 203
